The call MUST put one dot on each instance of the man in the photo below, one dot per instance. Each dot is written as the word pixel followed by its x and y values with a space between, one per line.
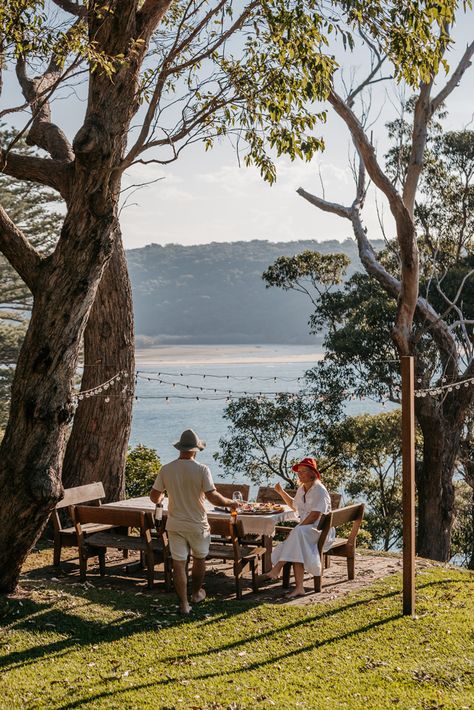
pixel 187 484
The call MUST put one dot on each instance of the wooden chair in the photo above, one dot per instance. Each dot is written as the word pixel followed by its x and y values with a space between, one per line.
pixel 230 548
pixel 66 536
pixel 340 547
pixel 154 549
pixel 226 489
pixel 267 494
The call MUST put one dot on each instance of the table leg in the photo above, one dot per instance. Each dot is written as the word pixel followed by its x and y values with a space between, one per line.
pixel 267 557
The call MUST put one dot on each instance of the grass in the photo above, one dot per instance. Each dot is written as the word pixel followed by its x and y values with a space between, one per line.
pixel 76 646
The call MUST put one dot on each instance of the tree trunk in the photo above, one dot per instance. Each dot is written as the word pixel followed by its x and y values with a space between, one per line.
pixel 97 447
pixel 41 406
pixel 435 486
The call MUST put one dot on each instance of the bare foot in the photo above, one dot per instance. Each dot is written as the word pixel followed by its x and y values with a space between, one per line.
pixel 185 610
pixel 199 596
pixel 296 593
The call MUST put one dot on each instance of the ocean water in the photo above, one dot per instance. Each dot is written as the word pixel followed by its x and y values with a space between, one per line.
pixel 158 422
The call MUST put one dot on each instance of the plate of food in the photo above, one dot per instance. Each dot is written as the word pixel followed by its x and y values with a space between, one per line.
pixel 261 509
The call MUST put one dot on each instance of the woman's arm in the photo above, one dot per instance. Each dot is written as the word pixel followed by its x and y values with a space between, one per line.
pixel 311 518
pixel 283 494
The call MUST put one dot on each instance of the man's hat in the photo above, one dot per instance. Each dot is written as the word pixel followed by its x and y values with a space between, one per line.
pixel 189 441
pixel 310 463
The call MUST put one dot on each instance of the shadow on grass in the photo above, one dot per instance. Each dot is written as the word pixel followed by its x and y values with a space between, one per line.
pixel 30 615
pixel 257 665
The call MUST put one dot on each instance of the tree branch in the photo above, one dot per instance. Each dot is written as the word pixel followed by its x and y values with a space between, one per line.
pixel 325 205
pixel 43 132
pixel 453 81
pixel 74 8
pixel 222 39
pixel 52 173
pixel 17 249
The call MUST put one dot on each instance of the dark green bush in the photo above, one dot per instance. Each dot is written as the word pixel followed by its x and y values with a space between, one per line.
pixel 141 469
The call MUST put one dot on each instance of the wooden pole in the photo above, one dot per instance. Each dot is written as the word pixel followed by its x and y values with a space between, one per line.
pixel 408 456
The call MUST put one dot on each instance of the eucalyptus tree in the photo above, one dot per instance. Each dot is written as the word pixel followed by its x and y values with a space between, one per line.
pixel 419 288
pixel 133 56
pixel 255 67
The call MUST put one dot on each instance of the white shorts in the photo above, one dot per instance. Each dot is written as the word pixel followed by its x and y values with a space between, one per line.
pixel 181 544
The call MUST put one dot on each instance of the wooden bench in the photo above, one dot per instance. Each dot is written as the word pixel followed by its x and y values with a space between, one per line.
pixel 340 547
pixel 230 548
pixel 154 549
pixel 66 536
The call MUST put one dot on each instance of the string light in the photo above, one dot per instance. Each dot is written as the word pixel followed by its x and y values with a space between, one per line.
pixel 95 391
pixel 145 374
pixel 443 389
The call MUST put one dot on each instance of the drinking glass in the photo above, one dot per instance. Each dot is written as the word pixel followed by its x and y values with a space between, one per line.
pixel 237 496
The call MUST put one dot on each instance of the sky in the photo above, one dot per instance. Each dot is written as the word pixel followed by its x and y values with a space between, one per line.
pixel 206 197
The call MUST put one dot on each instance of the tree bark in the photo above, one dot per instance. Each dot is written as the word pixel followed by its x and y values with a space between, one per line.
pixel 435 487
pixel 97 447
pixel 41 405
pixel 64 289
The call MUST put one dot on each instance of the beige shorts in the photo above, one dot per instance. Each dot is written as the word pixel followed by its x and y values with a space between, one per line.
pixel 181 544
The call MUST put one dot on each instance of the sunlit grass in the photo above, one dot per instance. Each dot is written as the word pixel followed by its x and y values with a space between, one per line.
pixel 77 646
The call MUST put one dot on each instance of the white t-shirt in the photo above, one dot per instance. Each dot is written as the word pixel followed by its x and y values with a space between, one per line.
pixel 316 498
pixel 186 481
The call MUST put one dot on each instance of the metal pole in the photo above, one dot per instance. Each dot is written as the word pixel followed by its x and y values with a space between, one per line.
pixel 408 455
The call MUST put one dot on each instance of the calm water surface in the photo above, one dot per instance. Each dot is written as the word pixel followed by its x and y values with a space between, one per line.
pixel 158 423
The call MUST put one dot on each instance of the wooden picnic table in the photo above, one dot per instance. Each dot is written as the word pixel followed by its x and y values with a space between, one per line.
pixel 253 524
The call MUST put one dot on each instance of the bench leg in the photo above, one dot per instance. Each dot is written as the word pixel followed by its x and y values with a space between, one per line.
pixel 286 575
pixel 82 566
pixel 238 580
pixel 317 583
pixel 254 576
pixel 327 561
pixel 168 574
pixel 150 560
pixel 101 556
pixel 350 567
pixel 57 552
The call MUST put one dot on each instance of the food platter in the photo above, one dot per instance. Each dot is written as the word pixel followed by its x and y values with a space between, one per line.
pixel 255 509
pixel 261 509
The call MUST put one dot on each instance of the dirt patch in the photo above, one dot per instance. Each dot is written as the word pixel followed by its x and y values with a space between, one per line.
pixel 128 574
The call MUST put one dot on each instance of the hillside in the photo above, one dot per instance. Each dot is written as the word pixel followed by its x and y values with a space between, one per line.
pixel 214 293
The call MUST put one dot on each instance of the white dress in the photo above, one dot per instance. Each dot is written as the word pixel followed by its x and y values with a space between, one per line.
pixel 301 545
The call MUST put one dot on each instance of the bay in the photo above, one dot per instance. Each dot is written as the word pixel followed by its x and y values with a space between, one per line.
pixel 175 385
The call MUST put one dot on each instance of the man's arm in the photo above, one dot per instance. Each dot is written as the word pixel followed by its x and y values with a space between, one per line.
pixel 216 498
pixel 156 496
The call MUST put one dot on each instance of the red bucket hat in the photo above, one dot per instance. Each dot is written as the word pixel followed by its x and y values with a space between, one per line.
pixel 310 463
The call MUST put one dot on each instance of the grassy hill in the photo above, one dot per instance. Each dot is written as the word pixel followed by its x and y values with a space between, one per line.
pixel 70 645
pixel 214 293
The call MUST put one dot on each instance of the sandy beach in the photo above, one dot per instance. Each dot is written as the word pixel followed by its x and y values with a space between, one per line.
pixel 226 354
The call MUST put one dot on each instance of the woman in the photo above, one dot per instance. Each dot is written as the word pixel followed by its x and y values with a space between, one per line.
pixel 301 545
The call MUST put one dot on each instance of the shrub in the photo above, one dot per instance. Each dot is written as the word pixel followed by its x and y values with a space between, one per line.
pixel 141 469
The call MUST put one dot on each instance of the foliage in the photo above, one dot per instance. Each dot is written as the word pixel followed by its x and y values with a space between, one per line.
pixel 359 317
pixel 370 447
pixel 133 650
pixel 141 468
pixel 266 436
pixel 463 529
